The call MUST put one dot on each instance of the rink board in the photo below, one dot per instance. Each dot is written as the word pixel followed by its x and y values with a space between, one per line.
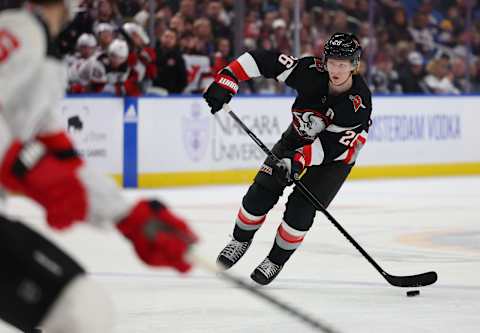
pixel 95 125
pixel 175 141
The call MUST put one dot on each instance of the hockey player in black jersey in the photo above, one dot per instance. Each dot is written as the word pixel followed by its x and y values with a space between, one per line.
pixel 330 121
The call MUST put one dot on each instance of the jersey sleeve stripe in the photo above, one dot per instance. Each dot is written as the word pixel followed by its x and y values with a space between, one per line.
pixel 355 149
pixel 314 153
pixel 245 67
pixel 284 75
pixel 338 129
pixel 307 153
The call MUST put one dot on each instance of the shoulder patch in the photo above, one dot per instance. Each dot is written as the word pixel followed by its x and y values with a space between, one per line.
pixel 357 102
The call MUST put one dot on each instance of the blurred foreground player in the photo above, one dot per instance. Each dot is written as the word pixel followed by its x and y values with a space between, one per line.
pixel 39 284
pixel 331 117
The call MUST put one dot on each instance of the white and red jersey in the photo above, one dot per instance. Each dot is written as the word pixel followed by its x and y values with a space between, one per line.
pixel 102 77
pixel 32 82
pixel 77 80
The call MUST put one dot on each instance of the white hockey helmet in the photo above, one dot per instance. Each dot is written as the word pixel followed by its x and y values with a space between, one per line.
pixel 86 40
pixel 118 48
pixel 101 27
pixel 131 28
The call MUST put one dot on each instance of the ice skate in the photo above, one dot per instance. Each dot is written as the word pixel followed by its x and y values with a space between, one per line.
pixel 266 272
pixel 232 253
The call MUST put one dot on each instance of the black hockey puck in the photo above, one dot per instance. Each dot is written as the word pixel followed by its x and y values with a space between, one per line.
pixel 412 293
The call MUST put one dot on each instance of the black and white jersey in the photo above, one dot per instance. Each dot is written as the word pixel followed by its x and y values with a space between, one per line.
pixel 334 126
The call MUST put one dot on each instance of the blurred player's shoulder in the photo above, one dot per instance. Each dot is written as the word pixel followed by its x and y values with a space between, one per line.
pixel 23 36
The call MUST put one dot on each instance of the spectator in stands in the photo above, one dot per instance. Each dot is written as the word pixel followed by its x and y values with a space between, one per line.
pixel 445 36
pixel 164 12
pixel 142 58
pixel 397 26
pixel 128 8
pixel 411 77
pixel 107 12
pixel 430 27
pixel 321 23
pixel 110 72
pixel 384 79
pixel 222 56
pixel 252 26
pixel 197 63
pixel 319 47
pixel 454 16
pixel 281 39
pixel 105 35
pixel 475 75
pixel 439 78
pixel 82 23
pixel 177 23
pixel 172 74
pixel 202 29
pixel 218 20
pixel 86 46
pixel 342 23
pixel 362 10
pixel 459 71
pixel 187 10
pixel 421 35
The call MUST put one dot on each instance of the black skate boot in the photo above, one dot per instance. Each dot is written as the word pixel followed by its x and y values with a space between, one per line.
pixel 266 272
pixel 232 253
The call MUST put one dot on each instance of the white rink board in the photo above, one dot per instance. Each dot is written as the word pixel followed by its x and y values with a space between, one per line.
pixel 96 126
pixel 423 130
pixel 180 135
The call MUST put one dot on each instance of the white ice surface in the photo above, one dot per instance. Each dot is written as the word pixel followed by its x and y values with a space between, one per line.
pixel 407 226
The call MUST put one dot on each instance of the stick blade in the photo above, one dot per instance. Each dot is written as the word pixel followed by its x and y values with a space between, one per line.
pixel 419 280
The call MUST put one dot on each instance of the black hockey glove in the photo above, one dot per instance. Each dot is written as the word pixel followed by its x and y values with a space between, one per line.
pixel 290 167
pixel 221 90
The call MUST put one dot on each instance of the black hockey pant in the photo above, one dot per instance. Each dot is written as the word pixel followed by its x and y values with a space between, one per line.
pixel 34 273
pixel 324 181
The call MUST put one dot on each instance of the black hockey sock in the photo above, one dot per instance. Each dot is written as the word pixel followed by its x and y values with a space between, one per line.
pixel 278 255
pixel 242 235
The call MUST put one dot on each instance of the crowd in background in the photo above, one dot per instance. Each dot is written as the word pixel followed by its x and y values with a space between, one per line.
pixel 413 46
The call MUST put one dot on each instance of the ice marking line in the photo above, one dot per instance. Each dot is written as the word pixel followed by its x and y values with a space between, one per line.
pixel 433 240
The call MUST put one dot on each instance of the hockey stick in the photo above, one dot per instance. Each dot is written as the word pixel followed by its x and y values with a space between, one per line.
pixel 194 258
pixel 312 322
pixel 418 280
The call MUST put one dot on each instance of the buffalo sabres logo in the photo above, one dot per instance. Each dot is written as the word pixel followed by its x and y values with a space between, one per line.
pixel 309 123
pixel 357 102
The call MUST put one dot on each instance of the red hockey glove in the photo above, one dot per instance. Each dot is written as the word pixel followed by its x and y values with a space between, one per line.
pixel 46 171
pixel 290 167
pixel 221 90
pixel 160 238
